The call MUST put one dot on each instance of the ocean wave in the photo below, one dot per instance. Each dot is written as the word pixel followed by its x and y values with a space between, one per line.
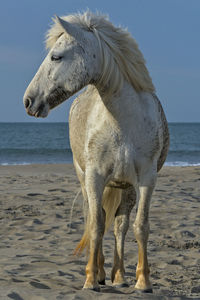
pixel 15 164
pixel 48 143
pixel 69 161
pixel 181 164
pixel 33 150
pixel 34 156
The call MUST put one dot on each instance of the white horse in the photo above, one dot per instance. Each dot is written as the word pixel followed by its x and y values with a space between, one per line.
pixel 118 132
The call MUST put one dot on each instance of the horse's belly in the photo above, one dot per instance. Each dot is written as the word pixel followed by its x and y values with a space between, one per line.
pixel 119 184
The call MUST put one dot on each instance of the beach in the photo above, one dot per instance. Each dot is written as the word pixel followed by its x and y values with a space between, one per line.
pixel 39 232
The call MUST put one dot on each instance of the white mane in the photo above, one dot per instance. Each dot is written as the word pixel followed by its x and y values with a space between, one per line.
pixel 121 57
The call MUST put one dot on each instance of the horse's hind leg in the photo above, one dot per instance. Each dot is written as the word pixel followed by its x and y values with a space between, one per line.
pixel 121 225
pixel 141 230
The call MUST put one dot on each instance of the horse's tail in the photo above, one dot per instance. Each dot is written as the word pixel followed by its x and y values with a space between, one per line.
pixel 110 202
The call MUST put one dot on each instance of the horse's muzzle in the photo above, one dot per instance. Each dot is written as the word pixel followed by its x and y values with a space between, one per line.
pixel 27 103
pixel 33 110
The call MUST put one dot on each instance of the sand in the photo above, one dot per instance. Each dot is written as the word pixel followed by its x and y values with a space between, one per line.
pixel 37 241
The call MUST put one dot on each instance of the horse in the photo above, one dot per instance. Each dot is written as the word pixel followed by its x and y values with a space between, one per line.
pixel 118 133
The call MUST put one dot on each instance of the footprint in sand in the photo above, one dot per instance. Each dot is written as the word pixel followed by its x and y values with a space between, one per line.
pixel 34 194
pixel 15 296
pixel 39 285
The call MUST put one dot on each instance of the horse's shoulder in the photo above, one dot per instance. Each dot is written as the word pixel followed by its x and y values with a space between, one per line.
pixel 82 105
pixel 77 104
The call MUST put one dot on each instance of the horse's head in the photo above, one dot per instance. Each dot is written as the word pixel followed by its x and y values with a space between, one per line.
pixel 70 65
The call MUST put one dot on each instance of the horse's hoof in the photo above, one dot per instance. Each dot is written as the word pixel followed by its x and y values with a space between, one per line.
pixel 148 291
pixel 122 285
pixel 95 289
pixel 102 282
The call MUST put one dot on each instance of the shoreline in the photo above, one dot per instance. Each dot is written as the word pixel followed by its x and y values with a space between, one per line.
pixel 62 167
pixel 38 237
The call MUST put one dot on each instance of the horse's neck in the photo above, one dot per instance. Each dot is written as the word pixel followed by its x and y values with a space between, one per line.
pixel 124 110
pixel 118 103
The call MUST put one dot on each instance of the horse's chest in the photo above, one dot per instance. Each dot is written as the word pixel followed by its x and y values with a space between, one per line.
pixel 124 161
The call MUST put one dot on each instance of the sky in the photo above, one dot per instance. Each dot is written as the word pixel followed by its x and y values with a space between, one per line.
pixel 167 31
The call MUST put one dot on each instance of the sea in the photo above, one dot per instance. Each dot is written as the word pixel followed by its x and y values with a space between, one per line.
pixel 48 143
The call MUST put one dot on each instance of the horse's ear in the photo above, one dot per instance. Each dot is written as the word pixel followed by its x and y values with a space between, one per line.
pixel 68 27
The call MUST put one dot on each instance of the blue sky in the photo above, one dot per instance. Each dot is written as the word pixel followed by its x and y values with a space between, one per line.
pixel 167 31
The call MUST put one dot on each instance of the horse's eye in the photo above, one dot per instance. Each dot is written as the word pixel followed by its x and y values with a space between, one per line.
pixel 56 58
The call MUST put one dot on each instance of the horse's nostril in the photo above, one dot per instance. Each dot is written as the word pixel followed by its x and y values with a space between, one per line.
pixel 27 102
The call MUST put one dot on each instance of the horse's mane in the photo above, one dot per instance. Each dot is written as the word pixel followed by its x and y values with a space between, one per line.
pixel 121 57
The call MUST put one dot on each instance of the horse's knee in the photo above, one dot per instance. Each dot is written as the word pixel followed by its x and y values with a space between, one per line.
pixel 97 223
pixel 141 231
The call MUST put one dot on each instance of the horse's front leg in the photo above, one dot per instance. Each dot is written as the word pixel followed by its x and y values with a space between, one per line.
pixel 94 189
pixel 100 261
pixel 128 199
pixel 141 231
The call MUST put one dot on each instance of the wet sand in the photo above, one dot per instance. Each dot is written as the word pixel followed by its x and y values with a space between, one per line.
pixel 37 240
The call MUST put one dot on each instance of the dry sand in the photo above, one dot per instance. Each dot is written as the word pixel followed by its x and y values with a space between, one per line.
pixel 36 241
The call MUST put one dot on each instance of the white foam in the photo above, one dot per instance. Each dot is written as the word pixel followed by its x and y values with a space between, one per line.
pixel 15 164
pixel 169 164
pixel 181 164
